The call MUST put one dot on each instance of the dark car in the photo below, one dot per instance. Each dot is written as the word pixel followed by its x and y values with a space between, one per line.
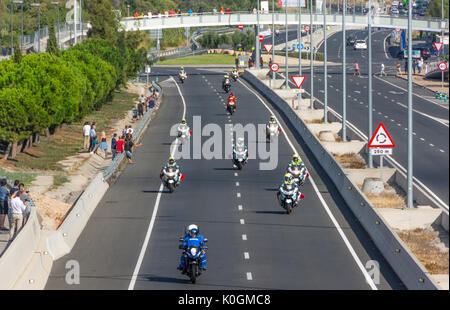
pixel 351 40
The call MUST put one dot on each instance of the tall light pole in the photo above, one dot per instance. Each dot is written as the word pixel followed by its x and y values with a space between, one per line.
pixel 410 110
pixel 370 105
pixel 128 9
pixel 442 38
pixel 299 37
pixel 57 5
pixel 12 28
pixel 325 69
pixel 344 77
pixel 38 5
pixel 311 55
pixel 21 11
pixel 257 54
pixel 286 83
pixel 75 19
pixel 273 36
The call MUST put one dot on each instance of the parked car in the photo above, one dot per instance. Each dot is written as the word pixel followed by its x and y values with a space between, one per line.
pixel 360 45
pixel 425 52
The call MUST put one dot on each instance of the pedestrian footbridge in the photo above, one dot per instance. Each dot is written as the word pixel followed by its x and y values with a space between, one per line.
pixel 241 18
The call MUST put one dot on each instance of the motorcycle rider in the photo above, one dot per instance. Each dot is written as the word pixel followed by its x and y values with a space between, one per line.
pixel 240 144
pixel 194 237
pixel 182 72
pixel 183 125
pixel 231 99
pixel 272 120
pixel 234 72
pixel 297 162
pixel 171 163
pixel 289 180
pixel 226 80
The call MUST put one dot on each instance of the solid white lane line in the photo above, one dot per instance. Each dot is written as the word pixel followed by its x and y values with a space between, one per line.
pixel 155 211
pixel 367 277
pixel 246 255
pixel 244 237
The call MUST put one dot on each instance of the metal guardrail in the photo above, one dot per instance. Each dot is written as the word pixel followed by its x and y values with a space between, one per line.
pixel 112 168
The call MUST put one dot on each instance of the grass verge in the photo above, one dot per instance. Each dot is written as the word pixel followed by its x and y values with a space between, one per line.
pixel 350 160
pixel 422 242
pixel 69 140
pixel 23 177
pixel 207 59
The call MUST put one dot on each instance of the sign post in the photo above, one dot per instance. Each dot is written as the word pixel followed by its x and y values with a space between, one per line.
pixel 298 81
pixel 274 67
pixel 381 144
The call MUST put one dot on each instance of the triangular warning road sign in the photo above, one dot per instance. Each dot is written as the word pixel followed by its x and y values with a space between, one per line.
pixel 381 138
pixel 298 80
pixel 268 47
pixel 438 46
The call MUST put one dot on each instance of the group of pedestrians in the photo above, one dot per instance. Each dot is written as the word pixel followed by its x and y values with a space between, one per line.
pixel 418 64
pixel 91 141
pixel 173 13
pixel 14 205
pixel 124 143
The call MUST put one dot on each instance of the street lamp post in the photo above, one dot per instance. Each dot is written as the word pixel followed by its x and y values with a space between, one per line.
pixel 325 69
pixel 38 5
pixel 257 54
pixel 311 46
pixel 21 12
pixel 12 28
pixel 273 36
pixel 57 4
pixel 299 37
pixel 344 76
pixel 370 103
pixel 128 8
pixel 286 46
pixel 410 110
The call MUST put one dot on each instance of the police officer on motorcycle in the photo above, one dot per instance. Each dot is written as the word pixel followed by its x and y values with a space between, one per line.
pixel 289 180
pixel 193 236
pixel 171 164
pixel 226 80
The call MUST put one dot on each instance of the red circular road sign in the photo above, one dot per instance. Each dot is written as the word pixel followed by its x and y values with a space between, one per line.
pixel 260 38
pixel 241 27
pixel 307 28
pixel 442 66
pixel 274 67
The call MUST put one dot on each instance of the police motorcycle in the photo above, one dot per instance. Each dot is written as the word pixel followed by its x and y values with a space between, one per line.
pixel 288 194
pixel 235 74
pixel 227 84
pixel 171 177
pixel 240 154
pixel 272 130
pixel 193 254
pixel 184 131
pixel 299 174
pixel 182 75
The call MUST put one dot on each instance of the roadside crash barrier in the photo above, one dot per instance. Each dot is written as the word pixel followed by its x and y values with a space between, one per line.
pixel 403 262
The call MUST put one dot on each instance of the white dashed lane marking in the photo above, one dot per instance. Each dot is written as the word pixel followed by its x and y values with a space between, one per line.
pixel 244 237
pixel 240 207
pixel 246 255
pixel 242 221
pixel 249 276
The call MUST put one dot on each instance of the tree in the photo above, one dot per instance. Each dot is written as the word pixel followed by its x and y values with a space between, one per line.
pixel 103 21
pixel 17 53
pixel 52 42
pixel 435 10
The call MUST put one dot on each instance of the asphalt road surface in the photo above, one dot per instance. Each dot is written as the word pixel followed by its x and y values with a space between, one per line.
pixel 253 244
pixel 390 101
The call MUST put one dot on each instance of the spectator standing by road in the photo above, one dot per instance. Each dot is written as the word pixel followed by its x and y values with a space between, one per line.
pixel 96 145
pixel 15 188
pixel 406 66
pixel 414 64
pixel 86 134
pixel 130 130
pixel 92 135
pixel 114 146
pixel 140 108
pixel 399 68
pixel 190 12
pixel 18 209
pixel 419 65
pixel 128 148
pixel 357 69
pixel 4 195
pixel 426 67
pixel 104 144
pixel 222 11
pixel 151 102
pixel 382 70
pixel 214 11
pixel 120 144
pixel 228 11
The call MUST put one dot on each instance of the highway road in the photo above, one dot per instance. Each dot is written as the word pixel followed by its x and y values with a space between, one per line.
pixel 253 244
pixel 390 100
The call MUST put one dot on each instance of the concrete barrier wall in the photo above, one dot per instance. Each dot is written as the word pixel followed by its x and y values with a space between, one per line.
pixel 16 257
pixel 61 242
pixel 407 267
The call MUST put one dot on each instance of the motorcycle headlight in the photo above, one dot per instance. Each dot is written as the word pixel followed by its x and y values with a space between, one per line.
pixel 194 251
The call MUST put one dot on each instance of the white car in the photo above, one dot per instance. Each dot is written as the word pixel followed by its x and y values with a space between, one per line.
pixel 360 45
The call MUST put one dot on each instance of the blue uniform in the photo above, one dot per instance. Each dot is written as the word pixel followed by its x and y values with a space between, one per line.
pixel 193 241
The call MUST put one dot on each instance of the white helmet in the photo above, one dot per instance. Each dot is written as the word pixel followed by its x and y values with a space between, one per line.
pixel 240 141
pixel 193 229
